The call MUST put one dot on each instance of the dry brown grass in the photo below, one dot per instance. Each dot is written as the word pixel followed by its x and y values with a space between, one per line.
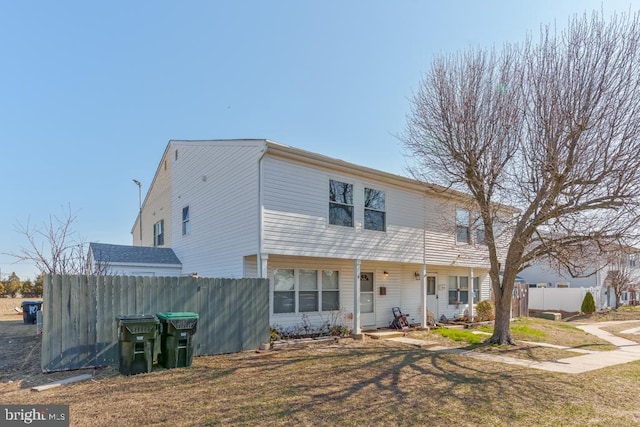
pixel 371 382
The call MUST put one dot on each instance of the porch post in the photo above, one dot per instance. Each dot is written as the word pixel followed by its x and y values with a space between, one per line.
pixel 262 268
pixel 423 296
pixel 356 297
pixel 470 299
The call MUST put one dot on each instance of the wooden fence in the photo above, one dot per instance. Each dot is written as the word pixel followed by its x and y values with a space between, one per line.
pixel 520 300
pixel 79 314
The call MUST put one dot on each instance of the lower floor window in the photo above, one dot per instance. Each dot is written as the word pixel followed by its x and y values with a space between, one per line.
pixel 459 290
pixel 300 290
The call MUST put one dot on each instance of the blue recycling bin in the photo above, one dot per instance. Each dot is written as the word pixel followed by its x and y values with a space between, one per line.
pixel 30 311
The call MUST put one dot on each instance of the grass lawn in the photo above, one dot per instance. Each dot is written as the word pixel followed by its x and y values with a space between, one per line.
pixel 371 382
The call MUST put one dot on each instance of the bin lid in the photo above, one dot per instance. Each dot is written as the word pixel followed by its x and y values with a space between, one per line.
pixel 31 303
pixel 177 315
pixel 142 318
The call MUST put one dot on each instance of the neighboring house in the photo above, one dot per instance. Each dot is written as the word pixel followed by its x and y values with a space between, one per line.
pixel 623 263
pixel 337 240
pixel 541 274
pixel 132 260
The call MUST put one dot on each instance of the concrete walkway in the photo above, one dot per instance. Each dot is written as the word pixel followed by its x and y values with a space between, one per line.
pixel 627 351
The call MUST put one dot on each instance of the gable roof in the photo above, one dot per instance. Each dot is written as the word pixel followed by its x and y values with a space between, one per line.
pixel 107 253
pixel 290 152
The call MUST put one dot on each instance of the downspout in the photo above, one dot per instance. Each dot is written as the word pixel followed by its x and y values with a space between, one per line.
pixel 260 262
pixel 423 274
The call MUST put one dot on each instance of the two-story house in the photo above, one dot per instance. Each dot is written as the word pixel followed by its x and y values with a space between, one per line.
pixel 332 237
pixel 613 272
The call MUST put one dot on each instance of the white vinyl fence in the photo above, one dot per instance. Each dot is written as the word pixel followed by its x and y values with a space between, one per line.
pixel 564 299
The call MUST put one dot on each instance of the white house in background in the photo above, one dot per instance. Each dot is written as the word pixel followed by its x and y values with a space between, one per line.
pixel 335 239
pixel 542 274
pixel 104 258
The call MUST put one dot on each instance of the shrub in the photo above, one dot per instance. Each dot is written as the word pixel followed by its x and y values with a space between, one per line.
pixel 485 310
pixel 275 336
pixel 339 331
pixel 588 304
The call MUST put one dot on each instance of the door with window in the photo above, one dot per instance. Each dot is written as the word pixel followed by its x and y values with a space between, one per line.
pixel 432 297
pixel 367 301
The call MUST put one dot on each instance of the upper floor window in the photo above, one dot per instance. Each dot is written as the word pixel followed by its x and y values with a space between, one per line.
pixel 158 233
pixel 481 237
pixel 186 224
pixel 374 210
pixel 340 203
pixel 462 226
pixel 632 260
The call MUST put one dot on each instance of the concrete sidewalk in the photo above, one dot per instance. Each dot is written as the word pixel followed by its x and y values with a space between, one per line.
pixel 627 351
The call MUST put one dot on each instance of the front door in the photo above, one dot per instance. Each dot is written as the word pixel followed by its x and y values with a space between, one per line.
pixel 432 298
pixel 367 303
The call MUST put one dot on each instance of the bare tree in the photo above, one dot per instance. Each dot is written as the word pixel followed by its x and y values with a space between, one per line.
pixel 623 275
pixel 54 247
pixel 551 128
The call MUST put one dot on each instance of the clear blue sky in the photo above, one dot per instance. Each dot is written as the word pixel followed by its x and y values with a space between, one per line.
pixel 91 92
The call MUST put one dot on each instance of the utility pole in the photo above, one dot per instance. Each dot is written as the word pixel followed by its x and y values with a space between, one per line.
pixel 139 184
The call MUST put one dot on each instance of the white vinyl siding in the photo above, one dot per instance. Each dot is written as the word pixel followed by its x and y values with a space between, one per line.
pixel 219 183
pixel 296 220
pixel 344 271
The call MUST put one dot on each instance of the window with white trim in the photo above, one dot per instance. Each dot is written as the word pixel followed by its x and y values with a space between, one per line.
pixel 308 294
pixel 340 203
pixel 158 233
pixel 303 291
pixel 476 290
pixel 462 226
pixel 284 291
pixel 480 235
pixel 186 221
pixel 458 290
pixel 374 210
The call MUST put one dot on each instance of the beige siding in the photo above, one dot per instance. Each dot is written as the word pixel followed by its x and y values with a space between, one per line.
pixel 157 206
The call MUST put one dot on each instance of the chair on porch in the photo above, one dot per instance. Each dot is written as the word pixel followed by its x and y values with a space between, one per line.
pixel 399 320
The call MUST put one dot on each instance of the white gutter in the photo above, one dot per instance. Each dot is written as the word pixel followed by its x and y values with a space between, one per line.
pixel 261 274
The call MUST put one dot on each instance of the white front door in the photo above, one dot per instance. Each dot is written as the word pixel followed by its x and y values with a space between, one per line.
pixel 367 301
pixel 432 297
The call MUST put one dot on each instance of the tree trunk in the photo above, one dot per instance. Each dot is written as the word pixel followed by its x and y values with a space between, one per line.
pixel 501 328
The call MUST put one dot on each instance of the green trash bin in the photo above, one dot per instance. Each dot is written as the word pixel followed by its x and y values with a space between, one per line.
pixel 176 338
pixel 136 339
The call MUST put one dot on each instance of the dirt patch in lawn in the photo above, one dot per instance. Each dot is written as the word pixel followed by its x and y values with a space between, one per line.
pixel 20 348
pixel 349 382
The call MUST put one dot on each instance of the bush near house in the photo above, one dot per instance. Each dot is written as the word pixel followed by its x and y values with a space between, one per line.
pixel 485 310
pixel 588 304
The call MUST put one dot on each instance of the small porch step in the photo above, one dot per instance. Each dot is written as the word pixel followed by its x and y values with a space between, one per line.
pixel 383 334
